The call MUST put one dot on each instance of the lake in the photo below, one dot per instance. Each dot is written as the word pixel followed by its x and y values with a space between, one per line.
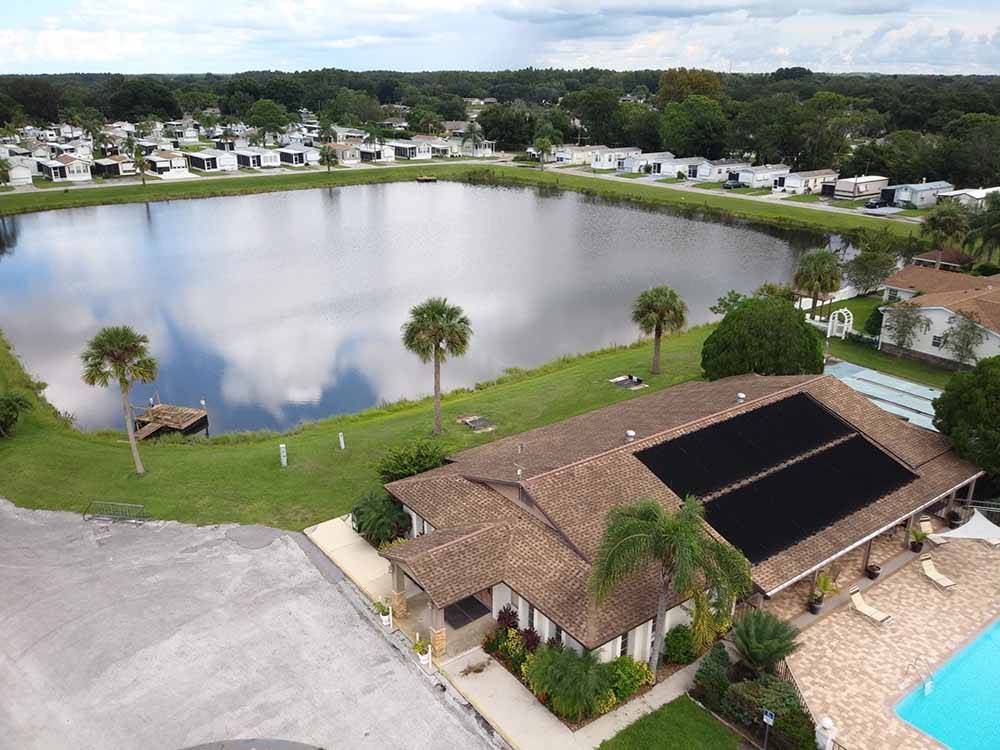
pixel 283 307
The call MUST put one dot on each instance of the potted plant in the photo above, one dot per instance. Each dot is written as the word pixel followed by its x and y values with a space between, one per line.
pixel 824 585
pixel 918 538
pixel 423 650
pixel 383 612
pixel 954 518
pixel 873 571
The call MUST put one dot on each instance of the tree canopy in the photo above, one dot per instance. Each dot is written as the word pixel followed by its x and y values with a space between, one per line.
pixel 765 335
pixel 969 413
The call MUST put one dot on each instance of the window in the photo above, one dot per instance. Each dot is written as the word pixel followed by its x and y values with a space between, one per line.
pixel 692 171
pixel 893 295
pixel 937 341
pixel 623 644
pixel 558 634
pixel 531 616
pixel 515 600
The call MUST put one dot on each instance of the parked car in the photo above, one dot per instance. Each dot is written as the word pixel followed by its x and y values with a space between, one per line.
pixel 731 184
pixel 876 203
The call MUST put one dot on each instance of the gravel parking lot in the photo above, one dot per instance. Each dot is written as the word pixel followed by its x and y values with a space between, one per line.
pixel 168 636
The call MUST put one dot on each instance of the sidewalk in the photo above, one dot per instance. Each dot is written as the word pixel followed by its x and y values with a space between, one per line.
pixel 528 725
pixel 353 555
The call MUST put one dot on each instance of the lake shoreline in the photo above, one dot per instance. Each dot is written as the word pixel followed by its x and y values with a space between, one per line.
pixel 754 212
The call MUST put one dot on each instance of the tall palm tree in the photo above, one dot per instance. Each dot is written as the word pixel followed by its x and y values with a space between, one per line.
pixel 983 239
pixel 435 331
pixel 121 354
pixel 690 563
pixel 946 226
pixel 140 163
pixel 818 274
pixel 374 135
pixel 473 134
pixel 328 156
pixel 657 311
pixel 543 146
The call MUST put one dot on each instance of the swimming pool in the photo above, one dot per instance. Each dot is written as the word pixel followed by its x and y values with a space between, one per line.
pixel 963 708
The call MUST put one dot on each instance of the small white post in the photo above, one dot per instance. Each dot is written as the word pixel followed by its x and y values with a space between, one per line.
pixel 283 453
pixel 390 618
pixel 340 437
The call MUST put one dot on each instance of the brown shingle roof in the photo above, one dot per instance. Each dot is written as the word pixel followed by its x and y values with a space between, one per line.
pixel 953 257
pixel 539 534
pixel 982 305
pixel 929 280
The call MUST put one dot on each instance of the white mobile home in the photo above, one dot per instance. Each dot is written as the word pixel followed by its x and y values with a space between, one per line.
pixel 114 166
pixel 255 157
pixel 376 152
pixel 812 182
pixel 865 186
pixel 212 160
pixel 167 164
pixel 604 157
pixel 347 153
pixel 298 156
pixel 574 154
pixel 65 168
pixel 651 162
pixel 918 195
pixel 18 175
pixel 411 150
pixel 484 150
pixel 721 170
pixel 969 197
pixel 764 176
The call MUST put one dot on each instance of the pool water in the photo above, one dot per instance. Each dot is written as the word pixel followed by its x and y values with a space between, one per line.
pixel 962 710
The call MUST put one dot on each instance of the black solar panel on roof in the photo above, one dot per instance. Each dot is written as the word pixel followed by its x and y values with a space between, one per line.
pixel 781 509
pixel 705 461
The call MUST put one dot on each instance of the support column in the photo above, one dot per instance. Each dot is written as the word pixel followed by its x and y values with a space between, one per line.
pixel 909 528
pixel 398 591
pixel 868 556
pixel 439 639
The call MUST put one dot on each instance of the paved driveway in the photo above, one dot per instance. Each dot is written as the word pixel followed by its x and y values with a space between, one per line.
pixel 169 636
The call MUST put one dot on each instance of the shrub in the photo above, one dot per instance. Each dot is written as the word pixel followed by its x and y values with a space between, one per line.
pixel 11 407
pixel 512 650
pixel 490 645
pixel 794 730
pixel 712 679
pixel 873 324
pixel 507 617
pixel 628 675
pixel 765 335
pixel 381 608
pixel 744 702
pixel 605 703
pixel 986 269
pixel 577 685
pixel 763 639
pixel 531 639
pixel 679 646
pixel 413 458
pixel 379 518
pixel 555 643
pixel 421 646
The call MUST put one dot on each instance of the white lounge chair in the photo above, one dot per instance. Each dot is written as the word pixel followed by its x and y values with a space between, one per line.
pixel 931 571
pixel 858 604
pixel 991 543
pixel 928 529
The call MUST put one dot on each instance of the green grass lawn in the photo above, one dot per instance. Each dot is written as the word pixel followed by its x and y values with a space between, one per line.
pixel 842 203
pixel 670 180
pixel 43 184
pixel 914 212
pixel 752 191
pixel 909 369
pixel 6 189
pixel 680 725
pixel 803 198
pixel 632 175
pixel 860 307
pixel 709 185
pixel 238 478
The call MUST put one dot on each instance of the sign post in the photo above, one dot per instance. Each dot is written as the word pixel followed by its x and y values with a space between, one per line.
pixel 768 723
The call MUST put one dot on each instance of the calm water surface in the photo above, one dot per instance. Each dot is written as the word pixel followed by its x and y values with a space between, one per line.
pixel 287 306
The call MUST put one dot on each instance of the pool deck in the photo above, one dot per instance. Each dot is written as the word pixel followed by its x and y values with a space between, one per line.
pixel 855 672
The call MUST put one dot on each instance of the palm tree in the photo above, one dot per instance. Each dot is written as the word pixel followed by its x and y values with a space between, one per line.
pixel 543 146
pixel 763 639
pixel 657 311
pixel 434 331
pixel 983 239
pixel 328 156
pixel 140 163
pixel 374 135
pixel 690 563
pixel 473 134
pixel 818 274
pixel 326 131
pixel 4 171
pixel 121 354
pixel 946 226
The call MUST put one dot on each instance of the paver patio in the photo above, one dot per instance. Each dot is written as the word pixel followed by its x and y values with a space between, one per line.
pixel 855 672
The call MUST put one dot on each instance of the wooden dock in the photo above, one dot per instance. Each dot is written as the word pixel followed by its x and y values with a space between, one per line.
pixel 161 418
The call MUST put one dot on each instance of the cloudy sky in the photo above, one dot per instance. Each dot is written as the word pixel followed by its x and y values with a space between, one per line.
pixel 134 36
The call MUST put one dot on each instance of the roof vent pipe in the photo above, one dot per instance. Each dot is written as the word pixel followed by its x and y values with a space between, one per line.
pixel 629 436
pixel 741 397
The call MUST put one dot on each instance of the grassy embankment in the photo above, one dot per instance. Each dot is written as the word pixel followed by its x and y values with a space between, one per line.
pixel 713 202
pixel 237 477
